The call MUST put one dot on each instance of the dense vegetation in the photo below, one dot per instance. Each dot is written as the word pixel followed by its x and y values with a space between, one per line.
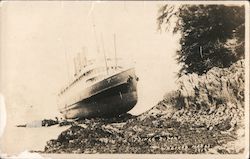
pixel 211 35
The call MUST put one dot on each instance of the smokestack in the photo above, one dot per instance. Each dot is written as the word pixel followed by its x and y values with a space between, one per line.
pixel 84 58
pixel 75 66
pixel 79 62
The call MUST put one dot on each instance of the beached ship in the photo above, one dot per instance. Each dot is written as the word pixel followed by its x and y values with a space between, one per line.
pixel 99 90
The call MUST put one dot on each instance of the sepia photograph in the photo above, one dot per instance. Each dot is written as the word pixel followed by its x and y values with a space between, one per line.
pixel 130 79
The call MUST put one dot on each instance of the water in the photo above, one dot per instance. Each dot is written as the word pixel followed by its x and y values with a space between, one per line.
pixel 18 139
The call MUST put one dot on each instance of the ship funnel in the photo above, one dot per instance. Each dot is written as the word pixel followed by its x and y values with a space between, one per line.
pixel 75 66
pixel 83 57
pixel 78 63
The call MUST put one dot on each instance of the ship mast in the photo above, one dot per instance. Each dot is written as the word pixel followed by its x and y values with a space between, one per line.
pixel 115 52
pixel 97 46
pixel 97 49
pixel 105 59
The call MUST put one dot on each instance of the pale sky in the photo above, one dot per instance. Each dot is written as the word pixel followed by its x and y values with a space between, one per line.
pixel 36 38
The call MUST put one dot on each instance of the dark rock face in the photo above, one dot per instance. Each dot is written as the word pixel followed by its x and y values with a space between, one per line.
pixel 49 122
pixel 205 115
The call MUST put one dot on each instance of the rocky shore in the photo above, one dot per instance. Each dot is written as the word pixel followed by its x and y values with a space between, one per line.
pixel 205 115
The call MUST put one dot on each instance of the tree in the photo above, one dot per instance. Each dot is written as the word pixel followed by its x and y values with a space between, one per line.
pixel 211 35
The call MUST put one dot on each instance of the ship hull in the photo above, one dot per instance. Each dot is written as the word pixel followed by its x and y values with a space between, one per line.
pixel 115 95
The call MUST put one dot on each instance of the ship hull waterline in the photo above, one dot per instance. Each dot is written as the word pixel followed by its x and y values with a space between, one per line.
pixel 119 98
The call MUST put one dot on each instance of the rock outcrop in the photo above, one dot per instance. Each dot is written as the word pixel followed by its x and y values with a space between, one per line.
pixel 213 99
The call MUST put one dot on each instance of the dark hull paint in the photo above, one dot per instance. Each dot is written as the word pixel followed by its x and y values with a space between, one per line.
pixel 116 95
